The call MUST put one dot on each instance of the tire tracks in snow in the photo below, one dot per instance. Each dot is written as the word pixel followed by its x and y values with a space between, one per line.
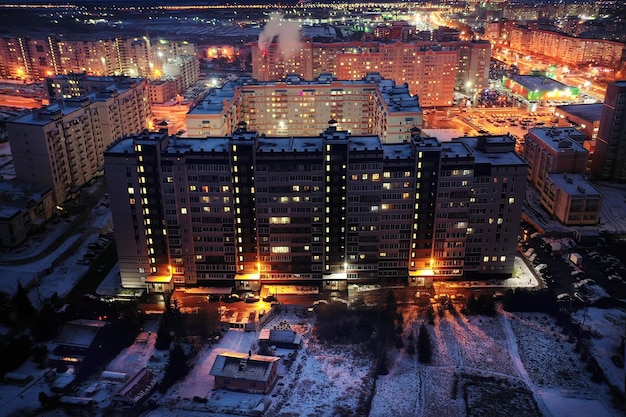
pixel 511 341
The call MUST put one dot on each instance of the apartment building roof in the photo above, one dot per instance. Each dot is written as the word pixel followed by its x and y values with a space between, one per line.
pixel 396 97
pixel 585 111
pixel 452 150
pixel 575 185
pixel 488 152
pixel 560 139
pixel 45 115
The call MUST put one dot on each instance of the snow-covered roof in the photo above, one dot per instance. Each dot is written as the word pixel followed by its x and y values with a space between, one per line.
pixel 243 366
pixel 137 387
pixel 79 333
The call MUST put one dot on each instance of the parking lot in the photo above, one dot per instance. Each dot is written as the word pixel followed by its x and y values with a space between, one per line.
pixel 587 276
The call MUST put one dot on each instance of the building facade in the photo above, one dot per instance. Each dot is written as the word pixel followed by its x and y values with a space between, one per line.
pixel 550 150
pixel 61 145
pixel 432 70
pixel 25 208
pixel 572 199
pixel 294 107
pixel 609 161
pixel 328 210
pixel 556 167
pixel 564 48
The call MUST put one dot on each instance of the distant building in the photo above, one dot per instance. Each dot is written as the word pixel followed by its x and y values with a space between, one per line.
pixel 540 90
pixel 572 199
pixel 245 372
pixel 294 107
pixel 185 70
pixel 609 162
pixel 73 85
pixel 566 49
pixel 24 208
pixel 585 118
pixel 61 145
pixel 326 211
pixel 25 57
pixel 162 90
pixel 432 70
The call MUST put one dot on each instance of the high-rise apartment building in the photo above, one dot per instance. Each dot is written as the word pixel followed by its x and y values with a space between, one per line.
pixel 609 159
pixel 565 49
pixel 61 145
pixel 294 107
pixel 325 210
pixel 432 70
pixel 24 57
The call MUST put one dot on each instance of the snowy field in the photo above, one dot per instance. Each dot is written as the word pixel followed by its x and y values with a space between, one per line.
pixel 508 365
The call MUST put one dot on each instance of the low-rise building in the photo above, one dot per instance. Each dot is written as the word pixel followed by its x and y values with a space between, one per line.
pixel 134 390
pixel 245 372
pixel 280 335
pixel 572 199
pixel 24 208
pixel 550 150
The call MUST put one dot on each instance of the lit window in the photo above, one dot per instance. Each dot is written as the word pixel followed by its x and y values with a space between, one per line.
pixel 280 249
pixel 183 210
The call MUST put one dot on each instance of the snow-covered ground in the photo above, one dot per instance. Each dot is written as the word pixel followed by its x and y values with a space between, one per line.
pixel 519 364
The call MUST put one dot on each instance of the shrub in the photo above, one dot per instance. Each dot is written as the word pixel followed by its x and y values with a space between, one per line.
pixel 424 348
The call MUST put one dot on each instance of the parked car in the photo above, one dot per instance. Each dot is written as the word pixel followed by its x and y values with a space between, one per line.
pixel 231 298
pixel 270 299
pixel 251 299
pixel 580 297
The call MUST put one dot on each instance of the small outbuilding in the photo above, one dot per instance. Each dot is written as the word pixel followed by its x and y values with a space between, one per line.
pixel 281 336
pixel 245 372
pixel 134 390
